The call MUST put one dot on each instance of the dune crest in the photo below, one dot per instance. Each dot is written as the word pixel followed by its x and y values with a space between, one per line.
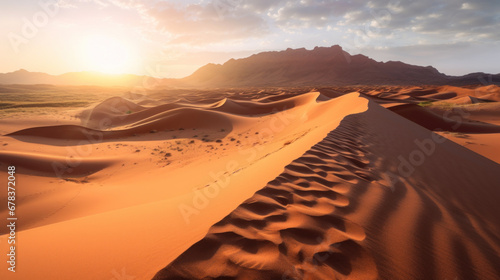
pixel 182 151
pixel 259 183
pixel 347 209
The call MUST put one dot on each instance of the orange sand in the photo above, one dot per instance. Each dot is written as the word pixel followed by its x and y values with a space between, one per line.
pixel 333 183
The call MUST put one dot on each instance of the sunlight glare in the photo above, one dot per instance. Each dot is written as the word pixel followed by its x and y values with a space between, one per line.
pixel 108 55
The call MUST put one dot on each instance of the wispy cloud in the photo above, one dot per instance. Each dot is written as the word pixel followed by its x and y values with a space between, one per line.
pixel 200 22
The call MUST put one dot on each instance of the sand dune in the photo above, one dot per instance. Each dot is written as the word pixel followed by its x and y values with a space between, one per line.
pixel 440 95
pixel 260 183
pixel 333 214
pixel 171 116
pixel 42 164
pixel 70 211
pixel 253 108
pixel 432 121
pixel 444 94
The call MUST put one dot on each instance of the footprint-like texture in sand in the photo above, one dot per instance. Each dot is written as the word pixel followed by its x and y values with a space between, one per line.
pixel 343 211
pixel 289 229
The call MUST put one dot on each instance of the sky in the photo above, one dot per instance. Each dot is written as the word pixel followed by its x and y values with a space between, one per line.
pixel 173 38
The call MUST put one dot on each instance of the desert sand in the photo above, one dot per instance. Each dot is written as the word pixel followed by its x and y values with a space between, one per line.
pixel 365 182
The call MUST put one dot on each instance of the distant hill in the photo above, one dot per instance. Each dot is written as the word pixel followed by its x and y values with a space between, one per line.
pixel 74 78
pixel 320 66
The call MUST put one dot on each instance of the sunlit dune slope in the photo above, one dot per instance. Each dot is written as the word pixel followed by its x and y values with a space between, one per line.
pixel 379 198
pixel 260 183
pixel 149 170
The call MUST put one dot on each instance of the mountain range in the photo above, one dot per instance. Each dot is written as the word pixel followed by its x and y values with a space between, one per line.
pixel 322 66
pixel 72 78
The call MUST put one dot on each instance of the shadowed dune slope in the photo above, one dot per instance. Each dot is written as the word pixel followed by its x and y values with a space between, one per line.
pixel 379 198
pixel 182 118
pixel 116 111
pixel 63 132
pixel 48 165
pixel 449 121
pixel 255 108
pixel 96 118
pixel 442 95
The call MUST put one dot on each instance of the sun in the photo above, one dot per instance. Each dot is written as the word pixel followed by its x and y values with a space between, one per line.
pixel 108 55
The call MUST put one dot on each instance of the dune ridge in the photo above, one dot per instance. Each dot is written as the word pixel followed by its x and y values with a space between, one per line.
pixel 273 183
pixel 155 173
pixel 433 121
pixel 341 212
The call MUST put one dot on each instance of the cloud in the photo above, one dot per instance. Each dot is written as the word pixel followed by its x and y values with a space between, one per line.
pixel 198 24
pixel 312 13
pixel 219 21
pixel 478 19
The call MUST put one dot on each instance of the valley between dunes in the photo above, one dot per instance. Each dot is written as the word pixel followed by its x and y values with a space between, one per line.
pixel 279 183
